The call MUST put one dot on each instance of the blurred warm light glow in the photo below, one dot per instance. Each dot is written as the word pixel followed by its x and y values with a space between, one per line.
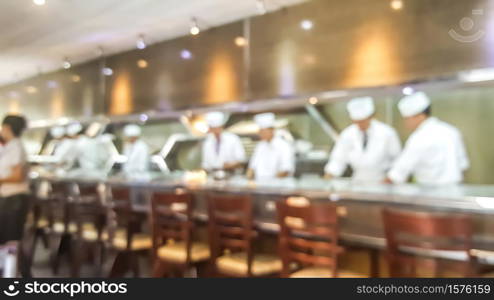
pixel 306 25
pixel 14 107
pixel 286 69
pixel 240 41
pixel 31 90
pixel 142 63
pixel 313 100
pixel 39 2
pixel 222 79
pixel 374 60
pixel 76 78
pixel 121 102
pixel 396 4
pixel 57 105
pixel 201 126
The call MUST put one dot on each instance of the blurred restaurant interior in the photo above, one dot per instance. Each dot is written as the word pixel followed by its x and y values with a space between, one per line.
pixel 289 85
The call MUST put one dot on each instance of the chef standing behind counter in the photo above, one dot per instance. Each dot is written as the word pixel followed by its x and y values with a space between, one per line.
pixel 434 153
pixel 368 146
pixel 273 157
pixel 221 150
pixel 137 153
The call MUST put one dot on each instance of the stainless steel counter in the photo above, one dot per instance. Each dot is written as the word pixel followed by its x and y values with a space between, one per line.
pixel 363 203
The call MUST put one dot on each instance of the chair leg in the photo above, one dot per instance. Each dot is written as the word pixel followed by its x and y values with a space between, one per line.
pixel 55 252
pixel 121 265
pixel 45 239
pixel 160 269
pixel 134 260
pixel 77 253
pixel 99 255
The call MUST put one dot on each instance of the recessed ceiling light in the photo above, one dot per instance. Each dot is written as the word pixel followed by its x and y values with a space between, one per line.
pixel 185 54
pixel 306 25
pixel 107 71
pixel 142 63
pixel 31 89
pixel 39 2
pixel 407 91
pixel 396 4
pixel 313 100
pixel 66 64
pixel 141 44
pixel 240 41
pixel 194 28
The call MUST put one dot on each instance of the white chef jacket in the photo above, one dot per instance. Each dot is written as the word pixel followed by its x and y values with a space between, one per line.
pixel 369 164
pixel 13 154
pixel 271 158
pixel 434 154
pixel 137 155
pixel 230 150
pixel 61 149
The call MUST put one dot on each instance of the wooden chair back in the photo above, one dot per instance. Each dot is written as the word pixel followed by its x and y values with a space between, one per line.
pixel 89 208
pixel 308 234
pixel 171 219
pixel 231 226
pixel 425 240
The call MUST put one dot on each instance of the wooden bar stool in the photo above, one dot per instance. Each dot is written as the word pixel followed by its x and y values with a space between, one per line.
pixel 231 239
pixel 125 233
pixel 173 228
pixel 90 219
pixel 308 240
pixel 422 244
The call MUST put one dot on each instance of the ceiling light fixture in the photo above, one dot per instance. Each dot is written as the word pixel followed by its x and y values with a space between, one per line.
pixel 107 71
pixel 66 64
pixel 397 4
pixel 194 28
pixel 142 63
pixel 313 100
pixel 76 78
pixel 408 91
pixel 306 25
pixel 141 44
pixel 185 54
pixel 31 89
pixel 261 7
pixel 240 41
pixel 39 2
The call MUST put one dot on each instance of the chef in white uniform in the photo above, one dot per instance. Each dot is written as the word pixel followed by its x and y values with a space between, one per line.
pixel 368 146
pixel 273 157
pixel 136 151
pixel 67 151
pixel 58 138
pixel 434 153
pixel 221 150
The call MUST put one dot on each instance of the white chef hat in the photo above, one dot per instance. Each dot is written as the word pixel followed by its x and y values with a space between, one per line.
pixel 361 108
pixel 414 104
pixel 215 119
pixel 265 120
pixel 74 129
pixel 57 132
pixel 132 130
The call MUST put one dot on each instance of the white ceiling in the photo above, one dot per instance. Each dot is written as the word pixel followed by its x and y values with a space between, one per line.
pixel 37 38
